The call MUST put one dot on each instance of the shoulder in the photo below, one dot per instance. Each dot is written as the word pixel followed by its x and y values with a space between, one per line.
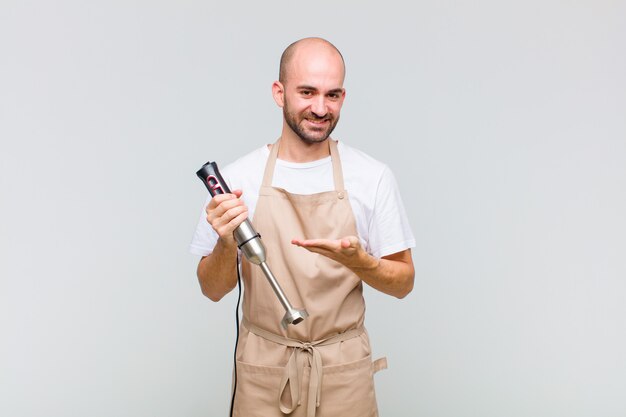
pixel 246 168
pixel 357 164
pixel 246 162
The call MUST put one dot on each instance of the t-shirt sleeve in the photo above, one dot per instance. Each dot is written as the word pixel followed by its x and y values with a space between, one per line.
pixel 204 238
pixel 389 229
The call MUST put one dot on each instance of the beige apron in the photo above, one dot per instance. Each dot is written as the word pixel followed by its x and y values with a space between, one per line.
pixel 322 366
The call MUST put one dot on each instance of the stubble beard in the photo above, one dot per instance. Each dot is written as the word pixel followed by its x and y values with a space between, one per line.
pixel 294 124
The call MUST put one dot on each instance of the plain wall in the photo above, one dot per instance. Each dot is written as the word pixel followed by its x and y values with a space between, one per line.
pixel 504 123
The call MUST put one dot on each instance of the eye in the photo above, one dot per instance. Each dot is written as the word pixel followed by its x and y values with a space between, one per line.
pixel 306 93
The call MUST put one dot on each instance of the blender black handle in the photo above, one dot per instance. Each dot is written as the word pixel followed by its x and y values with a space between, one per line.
pixel 212 179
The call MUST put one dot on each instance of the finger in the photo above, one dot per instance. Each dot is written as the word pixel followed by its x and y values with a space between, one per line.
pixel 214 212
pixel 224 206
pixel 227 217
pixel 216 200
pixel 235 222
pixel 230 214
pixel 350 242
pixel 317 243
pixel 216 217
pixel 227 224
pixel 302 242
pixel 315 249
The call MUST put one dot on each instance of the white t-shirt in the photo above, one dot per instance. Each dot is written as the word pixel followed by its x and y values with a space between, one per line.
pixel 381 221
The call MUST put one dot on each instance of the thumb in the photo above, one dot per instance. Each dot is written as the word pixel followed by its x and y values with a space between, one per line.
pixel 350 241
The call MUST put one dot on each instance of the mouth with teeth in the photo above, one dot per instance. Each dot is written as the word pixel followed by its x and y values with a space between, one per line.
pixel 317 121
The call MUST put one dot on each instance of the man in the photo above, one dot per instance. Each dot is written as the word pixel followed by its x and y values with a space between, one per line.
pixel 331 218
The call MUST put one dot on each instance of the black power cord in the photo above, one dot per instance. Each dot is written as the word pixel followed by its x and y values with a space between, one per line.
pixel 232 400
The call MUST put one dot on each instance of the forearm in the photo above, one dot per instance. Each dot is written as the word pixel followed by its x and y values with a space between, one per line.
pixel 217 272
pixel 393 274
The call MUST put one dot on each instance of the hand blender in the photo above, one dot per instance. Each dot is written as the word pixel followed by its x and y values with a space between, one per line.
pixel 249 242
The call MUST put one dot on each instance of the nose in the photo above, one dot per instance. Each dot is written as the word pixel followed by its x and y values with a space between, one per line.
pixel 318 107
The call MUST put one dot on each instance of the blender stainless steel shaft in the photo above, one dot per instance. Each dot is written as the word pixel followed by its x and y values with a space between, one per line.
pixel 250 244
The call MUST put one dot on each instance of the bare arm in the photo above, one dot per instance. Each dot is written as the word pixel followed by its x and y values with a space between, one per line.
pixel 217 272
pixel 393 274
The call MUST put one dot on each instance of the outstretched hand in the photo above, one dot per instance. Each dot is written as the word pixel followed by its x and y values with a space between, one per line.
pixel 347 251
pixel 392 274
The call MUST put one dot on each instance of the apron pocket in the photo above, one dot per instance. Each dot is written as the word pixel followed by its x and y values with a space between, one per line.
pixel 348 390
pixel 257 390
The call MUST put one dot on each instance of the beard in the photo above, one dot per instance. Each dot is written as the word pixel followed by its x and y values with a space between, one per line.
pixel 309 135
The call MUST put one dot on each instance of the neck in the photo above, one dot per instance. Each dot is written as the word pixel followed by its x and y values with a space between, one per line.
pixel 294 149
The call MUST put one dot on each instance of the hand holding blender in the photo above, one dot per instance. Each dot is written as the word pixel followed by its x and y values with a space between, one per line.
pixel 249 242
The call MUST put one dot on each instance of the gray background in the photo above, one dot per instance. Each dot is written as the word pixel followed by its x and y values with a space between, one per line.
pixel 503 122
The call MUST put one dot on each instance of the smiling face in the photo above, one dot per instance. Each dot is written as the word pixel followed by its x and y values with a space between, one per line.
pixel 311 92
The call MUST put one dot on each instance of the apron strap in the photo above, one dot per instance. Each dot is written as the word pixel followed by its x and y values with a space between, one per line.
pixel 334 156
pixel 269 166
pixel 379 364
pixel 337 171
pixel 296 363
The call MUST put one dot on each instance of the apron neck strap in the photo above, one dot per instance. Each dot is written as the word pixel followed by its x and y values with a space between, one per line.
pixel 271 163
pixel 334 156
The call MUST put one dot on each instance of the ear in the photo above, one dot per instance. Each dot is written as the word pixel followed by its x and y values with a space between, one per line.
pixel 278 92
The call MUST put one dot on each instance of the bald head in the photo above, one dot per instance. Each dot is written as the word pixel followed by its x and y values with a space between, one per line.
pixel 303 47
